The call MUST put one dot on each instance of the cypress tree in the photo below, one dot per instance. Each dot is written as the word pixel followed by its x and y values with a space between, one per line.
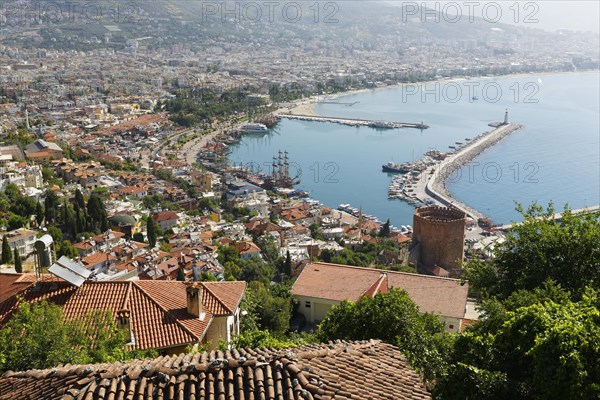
pixel 39 213
pixel 287 267
pixel 18 265
pixel 6 251
pixel 151 231
pixel 180 275
pixel 385 229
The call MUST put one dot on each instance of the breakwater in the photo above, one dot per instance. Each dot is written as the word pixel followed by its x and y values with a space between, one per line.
pixel 436 186
pixel 356 121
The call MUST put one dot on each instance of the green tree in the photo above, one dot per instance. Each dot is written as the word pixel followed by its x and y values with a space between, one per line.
pixel 43 338
pixel 51 203
pixel 79 200
pixel 180 275
pixel 16 221
pixel 315 231
pixel 138 237
pixel 18 265
pixel 97 213
pixel 395 318
pixel 268 249
pixel 65 248
pixel 6 251
pixel 151 232
pixel 270 307
pixel 56 234
pixel 287 266
pixel 46 339
pixel 39 213
pixel 544 350
pixel 385 229
pixel 541 248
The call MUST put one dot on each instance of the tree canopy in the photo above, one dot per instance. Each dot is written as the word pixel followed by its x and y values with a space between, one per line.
pixel 537 345
pixel 38 336
pixel 395 318
pixel 541 248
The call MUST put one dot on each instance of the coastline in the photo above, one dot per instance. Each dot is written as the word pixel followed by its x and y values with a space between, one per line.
pixel 307 106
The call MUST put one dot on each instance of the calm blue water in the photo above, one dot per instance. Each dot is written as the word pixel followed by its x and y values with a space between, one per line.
pixel 555 157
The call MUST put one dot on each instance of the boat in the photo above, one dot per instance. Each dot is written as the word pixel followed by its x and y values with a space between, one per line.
pixel 254 127
pixel 394 167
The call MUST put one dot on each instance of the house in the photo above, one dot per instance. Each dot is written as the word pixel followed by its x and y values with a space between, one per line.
pixel 166 219
pixel 247 250
pixel 137 192
pixel 342 370
pixel 98 262
pixel 41 150
pixel 321 285
pixel 239 190
pixel 22 239
pixel 161 315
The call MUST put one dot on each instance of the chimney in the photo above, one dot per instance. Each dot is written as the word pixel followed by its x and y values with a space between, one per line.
pixel 124 324
pixel 194 299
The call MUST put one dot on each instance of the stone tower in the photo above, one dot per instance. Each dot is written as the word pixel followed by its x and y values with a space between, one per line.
pixel 438 239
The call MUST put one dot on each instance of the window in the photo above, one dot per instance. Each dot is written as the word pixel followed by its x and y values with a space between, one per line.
pixel 450 326
pixel 307 304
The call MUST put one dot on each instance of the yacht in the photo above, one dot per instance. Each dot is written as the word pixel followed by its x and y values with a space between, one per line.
pixel 254 127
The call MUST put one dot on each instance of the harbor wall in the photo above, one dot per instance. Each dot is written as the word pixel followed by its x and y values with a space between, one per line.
pixel 436 187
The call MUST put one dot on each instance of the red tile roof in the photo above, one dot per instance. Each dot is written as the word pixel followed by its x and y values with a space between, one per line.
pixel 246 247
pixel 165 216
pixel 444 296
pixel 343 370
pixel 159 317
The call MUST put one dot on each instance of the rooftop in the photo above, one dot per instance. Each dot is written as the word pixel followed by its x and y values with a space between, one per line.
pixel 159 317
pixel 444 296
pixel 342 370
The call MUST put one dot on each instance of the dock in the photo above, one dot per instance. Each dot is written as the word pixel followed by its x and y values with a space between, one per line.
pixel 356 121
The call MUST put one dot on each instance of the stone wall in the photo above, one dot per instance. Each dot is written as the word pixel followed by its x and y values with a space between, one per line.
pixel 440 233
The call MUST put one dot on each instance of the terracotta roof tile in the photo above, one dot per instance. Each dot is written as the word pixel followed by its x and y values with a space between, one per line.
pixel 444 296
pixel 342 370
pixel 159 316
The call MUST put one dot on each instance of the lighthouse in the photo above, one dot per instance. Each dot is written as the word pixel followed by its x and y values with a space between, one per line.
pixel 505 118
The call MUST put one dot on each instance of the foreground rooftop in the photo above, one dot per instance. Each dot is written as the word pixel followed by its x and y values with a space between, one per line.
pixel 342 370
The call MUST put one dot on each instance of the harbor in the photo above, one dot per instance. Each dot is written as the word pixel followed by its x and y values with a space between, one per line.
pixel 423 182
pixel 356 122
pixel 328 153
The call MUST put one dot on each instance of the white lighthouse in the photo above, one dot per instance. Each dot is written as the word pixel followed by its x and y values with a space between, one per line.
pixel 505 118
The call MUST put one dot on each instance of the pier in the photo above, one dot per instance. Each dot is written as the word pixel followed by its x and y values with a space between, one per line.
pixel 557 216
pixel 434 188
pixel 356 121
pixel 339 102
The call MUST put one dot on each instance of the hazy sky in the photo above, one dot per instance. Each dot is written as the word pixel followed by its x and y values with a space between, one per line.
pixel 550 14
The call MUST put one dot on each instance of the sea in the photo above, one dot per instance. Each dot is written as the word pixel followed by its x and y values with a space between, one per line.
pixel 554 158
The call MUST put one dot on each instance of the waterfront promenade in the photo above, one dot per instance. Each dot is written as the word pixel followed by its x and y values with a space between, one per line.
pixel 432 183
